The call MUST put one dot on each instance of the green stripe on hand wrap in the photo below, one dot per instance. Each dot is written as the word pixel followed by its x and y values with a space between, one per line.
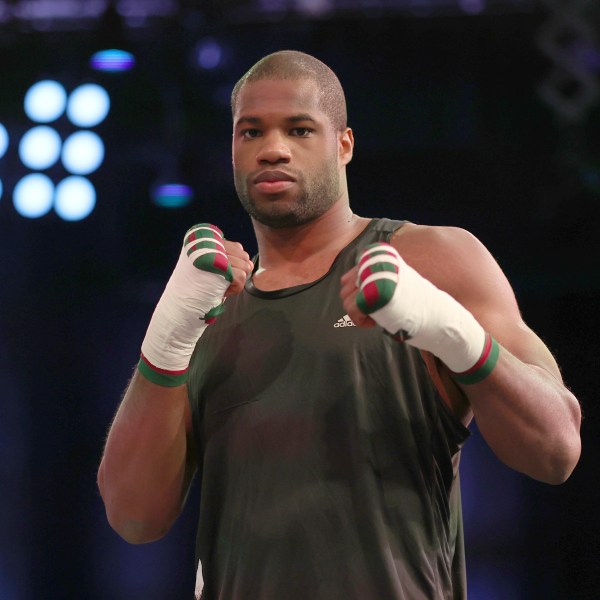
pixel 483 367
pixel 159 376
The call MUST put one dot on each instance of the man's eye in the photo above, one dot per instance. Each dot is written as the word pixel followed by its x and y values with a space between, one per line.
pixel 250 133
pixel 302 131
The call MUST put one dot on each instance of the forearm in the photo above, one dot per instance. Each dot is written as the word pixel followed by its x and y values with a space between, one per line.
pixel 528 418
pixel 142 476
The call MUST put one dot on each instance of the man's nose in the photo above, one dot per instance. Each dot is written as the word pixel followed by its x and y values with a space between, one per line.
pixel 273 150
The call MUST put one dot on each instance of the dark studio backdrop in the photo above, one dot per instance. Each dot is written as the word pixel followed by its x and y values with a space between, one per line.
pixel 450 128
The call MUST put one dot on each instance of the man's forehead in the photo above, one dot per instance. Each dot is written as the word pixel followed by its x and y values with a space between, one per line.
pixel 288 95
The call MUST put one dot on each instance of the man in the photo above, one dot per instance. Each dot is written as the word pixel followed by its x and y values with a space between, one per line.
pixel 325 408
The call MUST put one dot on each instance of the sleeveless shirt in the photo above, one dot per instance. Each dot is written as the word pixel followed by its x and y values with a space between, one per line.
pixel 328 462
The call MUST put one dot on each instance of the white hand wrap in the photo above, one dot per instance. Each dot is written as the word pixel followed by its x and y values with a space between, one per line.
pixel 406 304
pixel 198 283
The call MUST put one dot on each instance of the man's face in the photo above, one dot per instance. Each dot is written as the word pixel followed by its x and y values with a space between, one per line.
pixel 285 153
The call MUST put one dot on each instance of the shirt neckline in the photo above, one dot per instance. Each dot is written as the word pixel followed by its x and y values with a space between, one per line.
pixel 296 289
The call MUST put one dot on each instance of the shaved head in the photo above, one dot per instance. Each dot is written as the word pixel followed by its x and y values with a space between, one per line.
pixel 293 65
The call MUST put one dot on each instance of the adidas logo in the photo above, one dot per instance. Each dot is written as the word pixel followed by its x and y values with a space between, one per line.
pixel 345 321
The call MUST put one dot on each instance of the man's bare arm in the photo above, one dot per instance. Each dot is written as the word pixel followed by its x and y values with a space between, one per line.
pixel 147 466
pixel 148 459
pixel 523 410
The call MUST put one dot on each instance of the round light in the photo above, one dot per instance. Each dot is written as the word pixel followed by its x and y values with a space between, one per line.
pixel 209 54
pixel 112 61
pixel 88 105
pixel 1 188
pixel 3 140
pixel 82 153
pixel 40 147
pixel 75 198
pixel 32 195
pixel 45 101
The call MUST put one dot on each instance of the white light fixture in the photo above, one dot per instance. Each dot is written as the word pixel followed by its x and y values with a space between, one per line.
pixel 88 105
pixel 45 101
pixel 82 153
pixel 39 148
pixel 33 195
pixel 75 198
pixel 3 140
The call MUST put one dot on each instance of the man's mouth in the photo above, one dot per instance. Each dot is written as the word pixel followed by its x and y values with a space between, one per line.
pixel 273 182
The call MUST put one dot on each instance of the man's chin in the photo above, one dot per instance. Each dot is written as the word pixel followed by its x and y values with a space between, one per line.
pixel 279 221
pixel 275 215
pixel 284 212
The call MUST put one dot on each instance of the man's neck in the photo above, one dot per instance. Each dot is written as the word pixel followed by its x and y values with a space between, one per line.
pixel 281 248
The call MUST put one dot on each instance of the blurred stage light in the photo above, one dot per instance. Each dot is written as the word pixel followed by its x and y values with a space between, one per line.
pixel 75 198
pixel 112 61
pixel 172 195
pixel 45 101
pixel 82 153
pixel 88 105
pixel 40 147
pixel 209 54
pixel 32 196
pixel 1 188
pixel 472 7
pixel 3 140
pixel 314 7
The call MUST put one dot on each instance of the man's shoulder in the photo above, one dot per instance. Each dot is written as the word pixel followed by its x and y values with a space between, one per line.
pixel 431 235
pixel 450 257
pixel 435 243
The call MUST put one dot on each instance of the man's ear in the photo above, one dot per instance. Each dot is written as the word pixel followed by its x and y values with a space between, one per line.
pixel 346 145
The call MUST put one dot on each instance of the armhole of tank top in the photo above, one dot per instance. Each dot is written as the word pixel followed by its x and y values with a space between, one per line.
pixel 396 227
pixel 453 398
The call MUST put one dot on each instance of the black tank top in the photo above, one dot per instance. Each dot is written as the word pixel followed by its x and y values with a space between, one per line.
pixel 328 463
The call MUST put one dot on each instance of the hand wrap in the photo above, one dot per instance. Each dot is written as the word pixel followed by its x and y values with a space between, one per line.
pixel 192 299
pixel 412 309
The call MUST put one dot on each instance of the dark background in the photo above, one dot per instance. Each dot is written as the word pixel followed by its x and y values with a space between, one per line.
pixel 450 129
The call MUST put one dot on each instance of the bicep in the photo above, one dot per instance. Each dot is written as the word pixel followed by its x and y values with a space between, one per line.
pixel 485 291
